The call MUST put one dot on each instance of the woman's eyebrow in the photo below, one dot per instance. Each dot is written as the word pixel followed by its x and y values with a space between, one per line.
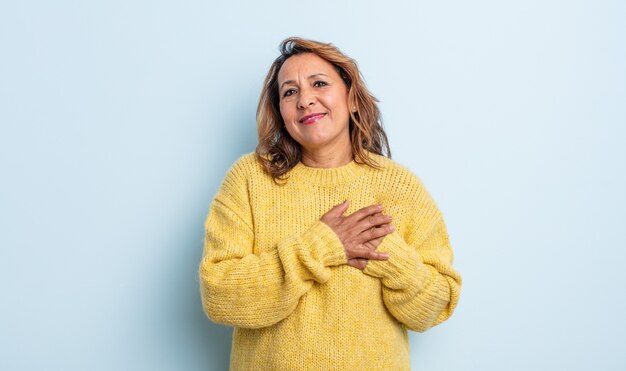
pixel 317 74
pixel 285 83
pixel 310 77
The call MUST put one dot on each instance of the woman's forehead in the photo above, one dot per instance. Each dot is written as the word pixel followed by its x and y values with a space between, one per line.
pixel 305 66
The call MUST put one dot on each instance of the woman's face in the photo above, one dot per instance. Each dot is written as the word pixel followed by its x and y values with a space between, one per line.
pixel 314 103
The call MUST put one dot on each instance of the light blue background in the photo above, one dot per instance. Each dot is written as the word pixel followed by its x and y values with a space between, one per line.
pixel 119 120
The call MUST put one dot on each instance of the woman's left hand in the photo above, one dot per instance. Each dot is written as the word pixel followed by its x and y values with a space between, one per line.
pixel 360 232
pixel 360 263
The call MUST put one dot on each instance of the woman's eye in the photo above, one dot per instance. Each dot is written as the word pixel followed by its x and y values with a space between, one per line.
pixel 289 92
pixel 320 83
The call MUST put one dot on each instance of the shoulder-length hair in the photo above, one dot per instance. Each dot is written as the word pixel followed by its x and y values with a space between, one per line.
pixel 277 150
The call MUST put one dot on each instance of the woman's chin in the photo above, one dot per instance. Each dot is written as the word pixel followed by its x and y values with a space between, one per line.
pixel 315 142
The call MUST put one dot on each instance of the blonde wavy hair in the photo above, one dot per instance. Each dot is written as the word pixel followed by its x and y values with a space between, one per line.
pixel 277 150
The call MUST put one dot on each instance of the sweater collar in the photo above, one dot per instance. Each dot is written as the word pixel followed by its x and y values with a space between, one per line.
pixel 328 177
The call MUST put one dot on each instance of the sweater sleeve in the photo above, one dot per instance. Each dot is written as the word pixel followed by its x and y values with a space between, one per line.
pixel 248 290
pixel 419 286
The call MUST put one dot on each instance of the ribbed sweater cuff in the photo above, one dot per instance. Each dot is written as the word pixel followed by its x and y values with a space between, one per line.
pixel 404 266
pixel 325 244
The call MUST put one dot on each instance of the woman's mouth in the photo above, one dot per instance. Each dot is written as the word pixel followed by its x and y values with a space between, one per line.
pixel 312 118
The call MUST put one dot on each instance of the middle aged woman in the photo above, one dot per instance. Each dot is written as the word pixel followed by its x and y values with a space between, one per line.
pixel 319 250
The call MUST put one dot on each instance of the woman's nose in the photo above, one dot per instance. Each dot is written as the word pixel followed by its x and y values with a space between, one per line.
pixel 306 99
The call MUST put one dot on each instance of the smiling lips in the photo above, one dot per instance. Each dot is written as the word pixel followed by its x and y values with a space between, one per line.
pixel 312 118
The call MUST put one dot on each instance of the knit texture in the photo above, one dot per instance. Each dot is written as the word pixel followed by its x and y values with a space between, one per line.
pixel 279 275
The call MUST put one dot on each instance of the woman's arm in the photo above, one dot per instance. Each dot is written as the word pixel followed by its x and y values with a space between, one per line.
pixel 246 290
pixel 420 287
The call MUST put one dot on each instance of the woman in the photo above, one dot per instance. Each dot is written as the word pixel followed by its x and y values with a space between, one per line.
pixel 319 250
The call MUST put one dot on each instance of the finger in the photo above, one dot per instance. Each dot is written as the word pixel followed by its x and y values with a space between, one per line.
pixel 373 233
pixel 368 254
pixel 373 221
pixel 358 263
pixel 338 210
pixel 379 232
pixel 362 263
pixel 365 212
pixel 373 244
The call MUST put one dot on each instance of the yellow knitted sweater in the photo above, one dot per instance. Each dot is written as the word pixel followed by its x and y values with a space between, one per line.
pixel 279 275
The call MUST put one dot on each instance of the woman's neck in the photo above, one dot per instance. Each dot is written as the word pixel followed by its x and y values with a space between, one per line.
pixel 326 158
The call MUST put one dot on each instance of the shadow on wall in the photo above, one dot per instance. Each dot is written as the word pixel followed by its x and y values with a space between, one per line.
pixel 182 335
pixel 211 342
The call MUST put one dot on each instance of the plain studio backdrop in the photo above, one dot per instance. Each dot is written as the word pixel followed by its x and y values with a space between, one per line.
pixel 120 118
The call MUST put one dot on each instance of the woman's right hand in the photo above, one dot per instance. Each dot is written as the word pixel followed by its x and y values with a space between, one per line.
pixel 360 232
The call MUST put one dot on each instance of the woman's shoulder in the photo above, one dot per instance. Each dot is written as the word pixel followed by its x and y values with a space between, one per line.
pixel 246 168
pixel 402 185
pixel 247 160
pixel 247 165
pixel 394 171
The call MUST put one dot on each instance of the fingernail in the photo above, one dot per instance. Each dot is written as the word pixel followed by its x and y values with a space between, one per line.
pixel 392 228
